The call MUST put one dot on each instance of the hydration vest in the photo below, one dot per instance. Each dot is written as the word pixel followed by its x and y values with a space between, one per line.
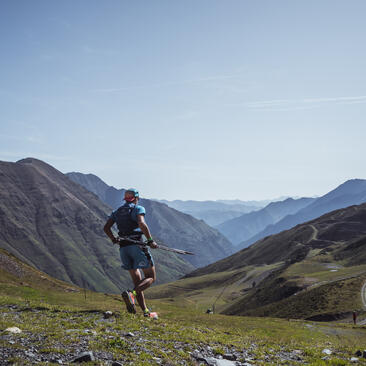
pixel 123 217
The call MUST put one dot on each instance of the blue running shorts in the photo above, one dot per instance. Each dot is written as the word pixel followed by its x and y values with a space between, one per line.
pixel 133 257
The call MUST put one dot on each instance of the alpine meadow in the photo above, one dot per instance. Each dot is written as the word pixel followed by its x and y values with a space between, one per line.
pixel 182 183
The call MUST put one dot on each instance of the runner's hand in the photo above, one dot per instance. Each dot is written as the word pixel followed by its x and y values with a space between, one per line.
pixel 152 244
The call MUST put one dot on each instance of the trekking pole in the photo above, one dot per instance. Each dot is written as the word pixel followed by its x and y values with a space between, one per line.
pixel 144 244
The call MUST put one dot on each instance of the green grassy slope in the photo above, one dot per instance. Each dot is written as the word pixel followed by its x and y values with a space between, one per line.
pixel 315 270
pixel 58 321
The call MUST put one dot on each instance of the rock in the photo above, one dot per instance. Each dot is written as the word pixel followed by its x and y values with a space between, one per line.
pixel 211 361
pixel 30 354
pixel 364 354
pixel 13 330
pixel 229 356
pixel 222 362
pixel 358 353
pixel 108 314
pixel 327 351
pixel 129 334
pixel 84 357
pixel 56 360
pixel 354 359
pixel 198 356
pixel 115 363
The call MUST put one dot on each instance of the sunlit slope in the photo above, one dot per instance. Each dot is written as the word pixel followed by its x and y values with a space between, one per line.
pixel 56 225
pixel 58 320
pixel 315 270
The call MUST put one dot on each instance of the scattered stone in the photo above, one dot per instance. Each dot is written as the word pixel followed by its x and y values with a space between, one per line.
pixel 222 362
pixel 354 359
pixel 56 360
pixel 108 314
pixel 229 356
pixel 30 354
pixel 13 330
pixel 327 351
pixel 129 334
pixel 198 356
pixel 157 359
pixel 358 353
pixel 211 361
pixel 84 357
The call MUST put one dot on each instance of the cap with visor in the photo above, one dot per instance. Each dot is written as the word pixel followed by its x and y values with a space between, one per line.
pixel 131 194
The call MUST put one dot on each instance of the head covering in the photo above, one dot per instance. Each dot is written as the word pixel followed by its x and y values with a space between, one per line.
pixel 131 194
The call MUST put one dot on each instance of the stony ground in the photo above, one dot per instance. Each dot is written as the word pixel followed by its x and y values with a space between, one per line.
pixel 59 336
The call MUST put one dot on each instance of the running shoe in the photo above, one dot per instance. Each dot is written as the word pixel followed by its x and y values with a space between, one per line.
pixel 129 300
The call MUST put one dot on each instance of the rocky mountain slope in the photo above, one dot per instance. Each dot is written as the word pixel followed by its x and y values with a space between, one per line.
pixel 56 225
pixel 352 192
pixel 247 225
pixel 175 228
pixel 315 270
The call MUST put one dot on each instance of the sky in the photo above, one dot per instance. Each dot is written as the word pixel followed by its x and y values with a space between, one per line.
pixel 190 99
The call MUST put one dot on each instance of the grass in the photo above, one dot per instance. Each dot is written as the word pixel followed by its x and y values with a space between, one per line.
pixel 60 320
pixel 56 323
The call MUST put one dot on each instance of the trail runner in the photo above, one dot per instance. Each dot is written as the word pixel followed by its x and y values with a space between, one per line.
pixel 130 220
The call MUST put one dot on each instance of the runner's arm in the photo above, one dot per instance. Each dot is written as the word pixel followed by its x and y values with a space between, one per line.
pixel 145 229
pixel 108 231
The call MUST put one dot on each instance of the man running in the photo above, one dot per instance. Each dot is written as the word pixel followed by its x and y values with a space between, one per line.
pixel 130 220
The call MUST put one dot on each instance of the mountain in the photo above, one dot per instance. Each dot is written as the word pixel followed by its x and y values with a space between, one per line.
pixel 212 212
pixel 175 228
pixel 352 192
pixel 56 225
pixel 247 225
pixel 315 270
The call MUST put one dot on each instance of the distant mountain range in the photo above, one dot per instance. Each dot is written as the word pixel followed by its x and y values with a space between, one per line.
pixel 352 192
pixel 212 212
pixel 175 228
pixel 56 225
pixel 247 225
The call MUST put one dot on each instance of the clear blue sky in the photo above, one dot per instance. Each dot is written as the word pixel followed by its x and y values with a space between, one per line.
pixel 190 99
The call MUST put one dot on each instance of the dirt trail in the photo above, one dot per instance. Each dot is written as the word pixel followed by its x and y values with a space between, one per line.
pixel 314 236
pixel 363 295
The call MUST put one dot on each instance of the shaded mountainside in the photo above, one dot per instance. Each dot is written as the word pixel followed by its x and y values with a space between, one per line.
pixel 314 270
pixel 56 225
pixel 176 229
pixel 352 192
pixel 248 225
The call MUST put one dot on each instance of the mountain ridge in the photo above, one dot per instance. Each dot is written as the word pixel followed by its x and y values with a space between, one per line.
pixel 248 225
pixel 56 225
pixel 351 192
pixel 175 228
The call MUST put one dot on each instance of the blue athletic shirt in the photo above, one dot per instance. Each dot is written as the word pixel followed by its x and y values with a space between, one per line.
pixel 137 210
